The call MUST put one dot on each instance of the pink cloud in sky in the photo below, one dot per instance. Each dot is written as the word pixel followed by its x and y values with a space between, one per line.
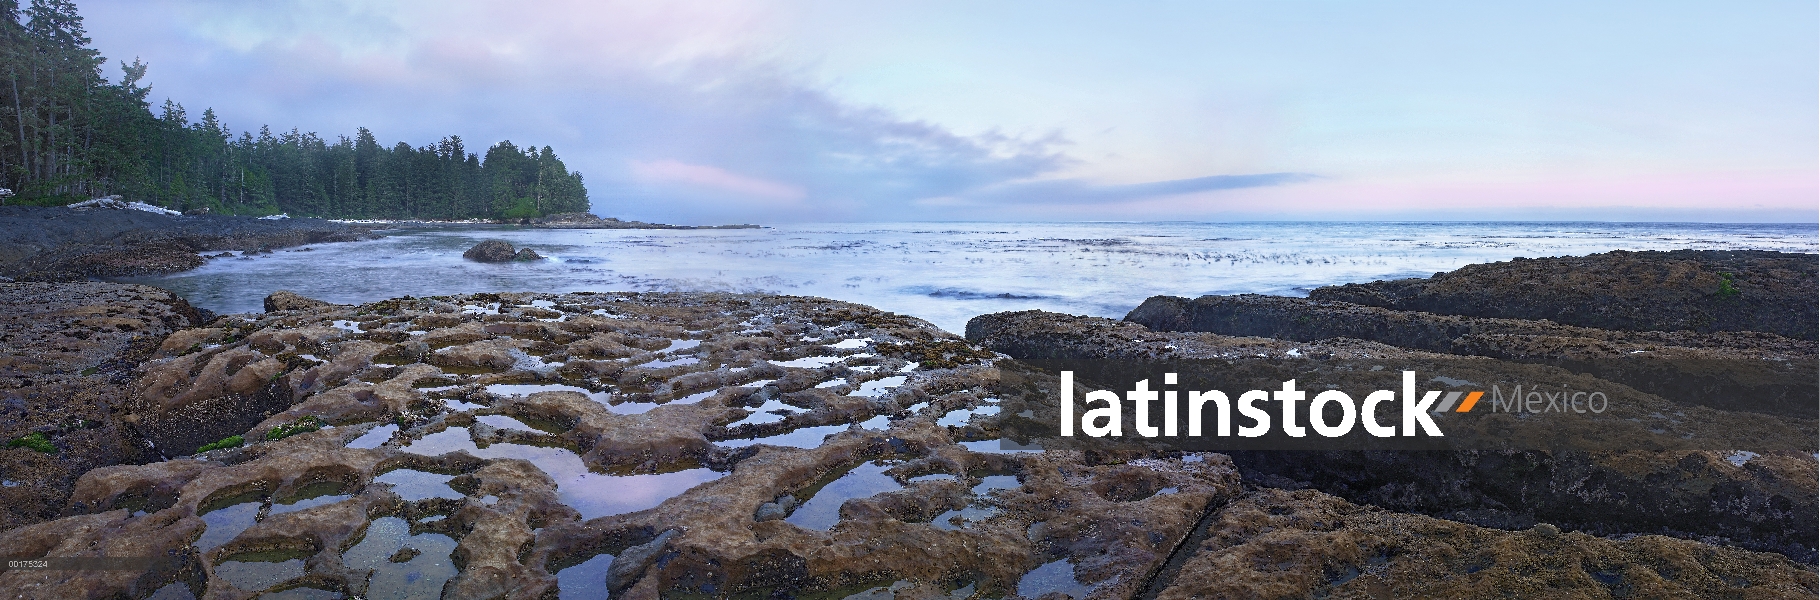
pixel 714 178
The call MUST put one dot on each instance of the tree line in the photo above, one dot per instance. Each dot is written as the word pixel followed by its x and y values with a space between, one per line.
pixel 70 134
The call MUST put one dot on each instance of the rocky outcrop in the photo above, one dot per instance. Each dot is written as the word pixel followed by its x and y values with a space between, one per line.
pixel 498 251
pixel 288 300
pixel 1282 544
pixel 614 394
pixel 1599 473
pixel 67 356
pixel 490 251
pixel 64 244
pixel 1694 290
pixel 720 445
pixel 1732 370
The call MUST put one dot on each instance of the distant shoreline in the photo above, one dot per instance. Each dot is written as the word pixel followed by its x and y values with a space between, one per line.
pixel 556 221
pixel 67 244
pixel 72 244
pixel 631 224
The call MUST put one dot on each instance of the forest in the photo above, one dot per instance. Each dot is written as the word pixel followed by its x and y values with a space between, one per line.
pixel 68 134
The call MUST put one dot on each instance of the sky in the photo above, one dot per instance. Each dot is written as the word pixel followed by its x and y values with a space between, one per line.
pixel 772 111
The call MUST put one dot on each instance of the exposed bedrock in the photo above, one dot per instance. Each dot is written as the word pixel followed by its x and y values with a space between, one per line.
pixel 485 443
pixel 516 445
pixel 1734 370
pixel 1695 290
pixel 1646 465
pixel 1301 544
pixel 67 355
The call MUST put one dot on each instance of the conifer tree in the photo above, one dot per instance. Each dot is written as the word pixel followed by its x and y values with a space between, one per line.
pixel 68 134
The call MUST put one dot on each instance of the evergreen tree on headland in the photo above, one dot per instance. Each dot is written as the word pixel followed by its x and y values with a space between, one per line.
pixel 68 134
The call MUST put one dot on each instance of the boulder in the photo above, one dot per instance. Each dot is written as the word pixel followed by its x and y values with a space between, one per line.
pixel 526 255
pixel 288 300
pixel 490 251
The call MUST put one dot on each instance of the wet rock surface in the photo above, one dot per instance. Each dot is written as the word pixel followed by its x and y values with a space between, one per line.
pixel 1293 544
pixel 1645 465
pixel 1694 290
pixel 498 251
pixel 63 244
pixel 1737 370
pixel 718 445
pixel 67 355
pixel 288 300
pixel 1668 459
pixel 477 446
pixel 490 251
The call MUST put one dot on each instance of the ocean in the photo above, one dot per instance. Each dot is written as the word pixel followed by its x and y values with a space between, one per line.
pixel 944 273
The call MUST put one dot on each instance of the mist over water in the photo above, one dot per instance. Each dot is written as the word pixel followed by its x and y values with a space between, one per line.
pixel 945 273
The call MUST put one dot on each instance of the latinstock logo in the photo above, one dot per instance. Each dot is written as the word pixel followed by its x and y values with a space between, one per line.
pixel 1102 412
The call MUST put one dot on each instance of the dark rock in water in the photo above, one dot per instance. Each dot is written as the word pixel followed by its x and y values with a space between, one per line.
pixel 288 300
pixel 490 251
pixel 196 212
pixel 1698 290
pixel 525 255
pixel 1733 370
pixel 631 563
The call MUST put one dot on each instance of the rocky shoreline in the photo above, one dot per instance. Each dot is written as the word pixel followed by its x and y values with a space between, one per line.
pixel 723 445
pixel 105 241
pixel 73 244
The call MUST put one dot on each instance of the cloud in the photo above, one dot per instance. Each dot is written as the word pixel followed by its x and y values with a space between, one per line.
pixel 671 171
pixel 1075 191
pixel 674 113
